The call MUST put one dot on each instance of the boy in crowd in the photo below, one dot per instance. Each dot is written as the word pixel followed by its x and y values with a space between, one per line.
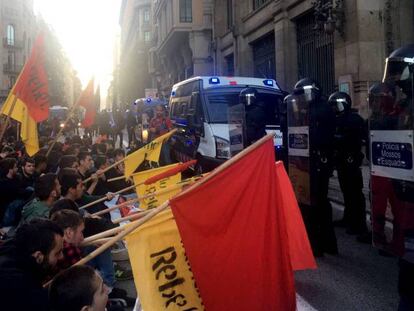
pixel 25 262
pixel 47 191
pixel 72 225
pixel 12 194
pixel 78 288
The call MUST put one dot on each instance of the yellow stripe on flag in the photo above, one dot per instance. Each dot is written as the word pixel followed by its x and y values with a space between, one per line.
pixel 156 200
pixel 161 272
pixel 150 152
pixel 28 130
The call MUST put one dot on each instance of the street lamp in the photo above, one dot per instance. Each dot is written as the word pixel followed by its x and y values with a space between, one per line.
pixel 329 16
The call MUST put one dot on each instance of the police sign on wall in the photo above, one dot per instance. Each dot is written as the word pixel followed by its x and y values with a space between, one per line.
pixel 392 154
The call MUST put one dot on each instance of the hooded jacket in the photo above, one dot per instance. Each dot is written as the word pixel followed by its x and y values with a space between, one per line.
pixel 20 281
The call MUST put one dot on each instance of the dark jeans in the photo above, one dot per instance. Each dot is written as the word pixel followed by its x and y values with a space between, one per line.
pixel 104 264
pixel 13 213
pixel 351 183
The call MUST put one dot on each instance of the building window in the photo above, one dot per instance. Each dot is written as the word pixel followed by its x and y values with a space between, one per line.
pixel 146 16
pixel 147 36
pixel 10 34
pixel 258 3
pixel 230 65
pixel 186 11
pixel 11 59
pixel 229 14
pixel 12 81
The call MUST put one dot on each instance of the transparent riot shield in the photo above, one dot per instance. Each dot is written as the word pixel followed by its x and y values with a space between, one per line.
pixel 298 112
pixel 237 123
pixel 392 171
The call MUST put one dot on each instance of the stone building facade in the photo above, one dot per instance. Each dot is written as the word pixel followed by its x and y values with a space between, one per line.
pixel 18 30
pixel 136 24
pixel 182 45
pixel 278 39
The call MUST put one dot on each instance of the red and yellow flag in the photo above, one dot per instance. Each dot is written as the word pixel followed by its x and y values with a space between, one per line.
pixel 235 236
pixel 87 101
pixel 30 97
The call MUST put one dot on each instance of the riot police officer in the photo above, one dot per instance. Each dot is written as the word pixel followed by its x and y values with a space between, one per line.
pixel 350 135
pixel 310 138
pixel 392 171
pixel 254 114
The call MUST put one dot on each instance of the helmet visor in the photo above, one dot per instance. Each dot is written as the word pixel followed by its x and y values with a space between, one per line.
pixel 397 69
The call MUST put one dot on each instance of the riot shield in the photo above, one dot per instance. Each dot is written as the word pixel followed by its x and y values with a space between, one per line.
pixel 237 123
pixel 392 170
pixel 298 112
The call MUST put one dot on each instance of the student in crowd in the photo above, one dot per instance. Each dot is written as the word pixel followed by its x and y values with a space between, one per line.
pixel 79 288
pixel 12 194
pixel 40 164
pixel 27 173
pixel 118 171
pixel 47 191
pixel 72 225
pixel 25 263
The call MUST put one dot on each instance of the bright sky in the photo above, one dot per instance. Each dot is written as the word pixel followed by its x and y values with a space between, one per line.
pixel 87 30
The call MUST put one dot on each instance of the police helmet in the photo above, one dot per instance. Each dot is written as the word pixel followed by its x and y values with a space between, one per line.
pixel 309 87
pixel 248 96
pixel 400 66
pixel 340 102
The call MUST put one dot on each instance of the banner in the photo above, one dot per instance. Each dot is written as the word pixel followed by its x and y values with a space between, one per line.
pixel 31 86
pixel 300 251
pixel 161 272
pixel 87 100
pixel 234 233
pixel 143 190
pixel 150 152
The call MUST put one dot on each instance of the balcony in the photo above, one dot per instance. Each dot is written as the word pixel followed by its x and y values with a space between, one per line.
pixel 12 68
pixel 13 44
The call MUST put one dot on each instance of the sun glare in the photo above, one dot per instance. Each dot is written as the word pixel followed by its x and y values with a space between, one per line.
pixel 87 30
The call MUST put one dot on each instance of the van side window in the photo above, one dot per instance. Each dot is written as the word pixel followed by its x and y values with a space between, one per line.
pixel 187 89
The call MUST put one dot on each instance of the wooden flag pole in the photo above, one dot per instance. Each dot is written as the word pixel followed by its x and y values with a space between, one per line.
pixel 6 124
pixel 166 190
pixel 130 228
pixel 99 242
pixel 103 234
pixel 115 179
pixel 132 216
pixel 106 169
pixel 104 198
pixel 61 129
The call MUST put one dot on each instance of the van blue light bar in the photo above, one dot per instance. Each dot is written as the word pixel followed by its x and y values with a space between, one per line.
pixel 172 93
pixel 268 82
pixel 214 80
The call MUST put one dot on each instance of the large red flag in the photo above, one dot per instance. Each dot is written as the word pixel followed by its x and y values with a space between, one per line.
pixel 87 101
pixel 32 84
pixel 235 237
pixel 300 251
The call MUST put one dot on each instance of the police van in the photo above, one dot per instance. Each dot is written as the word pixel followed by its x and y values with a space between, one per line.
pixel 213 114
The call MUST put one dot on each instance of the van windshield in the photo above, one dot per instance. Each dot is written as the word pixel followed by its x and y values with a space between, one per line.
pixel 219 101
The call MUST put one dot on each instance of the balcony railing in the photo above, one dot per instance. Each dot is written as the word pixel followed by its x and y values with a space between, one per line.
pixel 16 44
pixel 12 68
